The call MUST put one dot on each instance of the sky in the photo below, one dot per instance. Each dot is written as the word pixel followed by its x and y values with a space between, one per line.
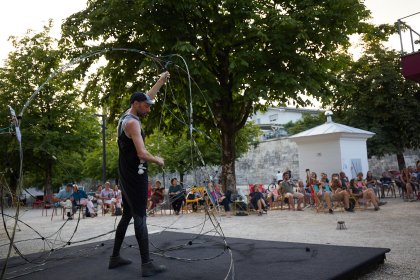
pixel 17 16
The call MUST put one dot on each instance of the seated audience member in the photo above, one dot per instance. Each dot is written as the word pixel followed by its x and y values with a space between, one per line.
pixel 324 177
pixel 308 196
pixel 221 198
pixel 362 193
pixel 63 199
pixel 149 190
pixel 413 175
pixel 340 195
pixel 371 182
pixel 157 195
pixel 176 195
pixel 287 190
pixel 79 197
pixel 406 180
pixel 396 177
pixel 108 198
pixel 325 189
pixel 118 201
pixel 99 201
pixel 335 176
pixel 317 191
pixel 386 182
pixel 257 200
pixel 273 195
pixel 418 170
pixel 360 182
pixel 344 181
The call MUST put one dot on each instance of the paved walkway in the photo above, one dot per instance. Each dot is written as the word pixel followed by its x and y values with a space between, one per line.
pixel 395 226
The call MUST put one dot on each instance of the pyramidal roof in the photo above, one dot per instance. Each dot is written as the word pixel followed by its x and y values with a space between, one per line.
pixel 331 127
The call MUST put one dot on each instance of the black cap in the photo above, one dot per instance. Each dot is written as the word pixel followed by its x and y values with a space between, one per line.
pixel 140 96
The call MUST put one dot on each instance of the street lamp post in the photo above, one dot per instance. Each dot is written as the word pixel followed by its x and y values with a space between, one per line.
pixel 103 147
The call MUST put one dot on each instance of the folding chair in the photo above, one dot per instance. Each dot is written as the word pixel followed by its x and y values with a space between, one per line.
pixel 194 202
pixel 389 186
pixel 318 203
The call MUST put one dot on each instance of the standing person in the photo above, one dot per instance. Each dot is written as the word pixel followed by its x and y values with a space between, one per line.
pixel 132 169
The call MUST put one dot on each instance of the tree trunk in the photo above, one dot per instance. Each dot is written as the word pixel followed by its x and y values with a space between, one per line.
pixel 48 177
pixel 401 161
pixel 13 182
pixel 228 176
pixel 181 178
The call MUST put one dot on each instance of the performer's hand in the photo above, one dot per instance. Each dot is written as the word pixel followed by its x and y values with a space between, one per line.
pixel 160 161
pixel 164 76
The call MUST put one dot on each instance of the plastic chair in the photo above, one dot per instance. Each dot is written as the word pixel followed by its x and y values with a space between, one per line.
pixel 195 202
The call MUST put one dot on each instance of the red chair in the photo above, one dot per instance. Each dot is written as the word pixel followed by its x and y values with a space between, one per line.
pixel 260 188
pixel 37 203
pixel 47 203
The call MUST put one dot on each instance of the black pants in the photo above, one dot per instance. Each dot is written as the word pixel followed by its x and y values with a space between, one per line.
pixel 226 201
pixel 140 229
pixel 177 203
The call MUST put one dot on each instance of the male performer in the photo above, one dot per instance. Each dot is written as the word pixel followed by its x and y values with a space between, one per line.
pixel 132 168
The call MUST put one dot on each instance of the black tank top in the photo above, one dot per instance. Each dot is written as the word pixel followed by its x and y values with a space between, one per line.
pixel 133 185
pixel 126 146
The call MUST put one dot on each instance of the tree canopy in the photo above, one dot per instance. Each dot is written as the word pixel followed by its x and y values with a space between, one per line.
pixel 56 129
pixel 238 53
pixel 379 99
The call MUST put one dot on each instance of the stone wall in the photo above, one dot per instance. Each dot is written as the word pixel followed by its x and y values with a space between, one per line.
pixel 262 162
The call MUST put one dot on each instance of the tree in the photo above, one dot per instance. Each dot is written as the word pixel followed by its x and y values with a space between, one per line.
pixel 376 97
pixel 183 155
pixel 308 121
pixel 56 129
pixel 92 165
pixel 238 52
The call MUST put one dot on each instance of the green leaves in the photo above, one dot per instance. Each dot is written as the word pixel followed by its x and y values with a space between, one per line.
pixel 56 128
pixel 239 52
pixel 379 99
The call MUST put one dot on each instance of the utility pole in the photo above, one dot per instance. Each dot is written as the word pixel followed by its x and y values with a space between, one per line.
pixel 103 147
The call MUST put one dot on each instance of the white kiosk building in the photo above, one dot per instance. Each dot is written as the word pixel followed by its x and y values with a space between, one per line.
pixel 331 148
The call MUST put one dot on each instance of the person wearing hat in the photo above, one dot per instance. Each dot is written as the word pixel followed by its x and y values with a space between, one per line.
pixel 133 180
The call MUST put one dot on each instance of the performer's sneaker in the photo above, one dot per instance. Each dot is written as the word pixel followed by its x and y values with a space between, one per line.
pixel 150 269
pixel 117 261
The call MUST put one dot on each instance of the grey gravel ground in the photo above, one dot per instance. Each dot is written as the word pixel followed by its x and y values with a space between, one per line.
pixel 395 226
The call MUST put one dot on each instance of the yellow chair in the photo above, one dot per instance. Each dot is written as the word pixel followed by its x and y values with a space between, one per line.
pixel 194 203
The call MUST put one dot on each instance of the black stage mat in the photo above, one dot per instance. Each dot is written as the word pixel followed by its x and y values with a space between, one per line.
pixel 207 257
